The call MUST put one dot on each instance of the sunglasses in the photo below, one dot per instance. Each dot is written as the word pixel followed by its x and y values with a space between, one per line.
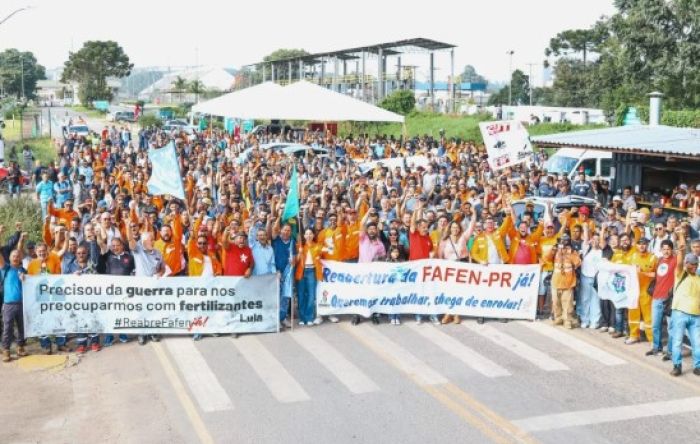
pixel 659 228
pixel 201 243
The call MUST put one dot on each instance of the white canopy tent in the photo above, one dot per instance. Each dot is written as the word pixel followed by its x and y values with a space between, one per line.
pixel 298 101
pixel 249 103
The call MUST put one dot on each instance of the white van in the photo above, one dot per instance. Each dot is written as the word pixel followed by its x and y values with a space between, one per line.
pixel 569 161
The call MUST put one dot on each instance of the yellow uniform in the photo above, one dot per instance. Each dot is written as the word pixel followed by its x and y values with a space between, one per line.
pixel 645 262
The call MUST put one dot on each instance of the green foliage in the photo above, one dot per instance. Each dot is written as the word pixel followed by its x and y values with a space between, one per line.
pixel 147 120
pixel 91 66
pixel 647 45
pixel 25 210
pixel 687 118
pixel 469 74
pixel 179 86
pixel 15 64
pixel 401 102
pixel 520 94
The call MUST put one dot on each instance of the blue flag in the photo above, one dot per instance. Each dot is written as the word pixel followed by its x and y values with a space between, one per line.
pixel 291 207
pixel 165 176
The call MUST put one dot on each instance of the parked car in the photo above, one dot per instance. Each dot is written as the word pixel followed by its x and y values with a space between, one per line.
pixel 125 116
pixel 569 161
pixel 78 130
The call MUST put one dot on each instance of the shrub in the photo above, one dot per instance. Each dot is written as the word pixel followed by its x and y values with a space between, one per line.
pixel 147 120
pixel 25 210
pixel 400 102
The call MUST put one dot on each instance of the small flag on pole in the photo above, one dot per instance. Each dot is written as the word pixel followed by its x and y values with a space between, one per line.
pixel 291 207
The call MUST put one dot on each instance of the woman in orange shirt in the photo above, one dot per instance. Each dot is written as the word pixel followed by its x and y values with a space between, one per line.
pixel 308 273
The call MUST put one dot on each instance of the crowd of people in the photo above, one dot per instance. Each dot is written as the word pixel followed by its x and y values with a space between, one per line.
pixel 100 219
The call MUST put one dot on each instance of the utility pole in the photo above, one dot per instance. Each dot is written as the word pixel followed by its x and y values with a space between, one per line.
pixel 529 80
pixel 510 77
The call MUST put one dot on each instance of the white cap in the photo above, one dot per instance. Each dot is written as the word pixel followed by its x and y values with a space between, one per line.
pixel 684 187
pixel 617 198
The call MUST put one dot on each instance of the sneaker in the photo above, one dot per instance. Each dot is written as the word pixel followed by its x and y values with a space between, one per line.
pixel 457 320
pixel 676 370
pixel 630 341
pixel 95 347
pixel 6 356
pixel 398 321
pixel 356 320
pixel 568 325
pixel 286 324
pixel 419 321
pixel 375 319
pixel 197 337
pixel 617 334
pixel 653 352
pixel 318 321
pixel 108 343
pixel 302 323
pixel 479 320
pixel 594 327
pixel 666 357
pixel 558 322
pixel 155 338
pixel 333 319
pixel 21 352
pixel 611 329
pixel 393 321
pixel 584 325
pixel 696 371
pixel 81 349
pixel 604 329
pixel 142 340
pixel 434 319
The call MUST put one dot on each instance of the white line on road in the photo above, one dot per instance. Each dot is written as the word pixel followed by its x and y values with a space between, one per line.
pixel 277 379
pixel 201 380
pixel 575 344
pixel 517 347
pixel 460 351
pixel 347 373
pixel 398 355
pixel 610 414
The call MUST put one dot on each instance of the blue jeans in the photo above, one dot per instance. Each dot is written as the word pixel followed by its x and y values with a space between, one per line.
pixel 679 322
pixel 620 320
pixel 45 341
pixel 589 302
pixel 307 295
pixel 657 319
pixel 110 338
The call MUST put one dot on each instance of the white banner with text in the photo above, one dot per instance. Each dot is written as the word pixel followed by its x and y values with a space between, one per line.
pixel 63 304
pixel 429 286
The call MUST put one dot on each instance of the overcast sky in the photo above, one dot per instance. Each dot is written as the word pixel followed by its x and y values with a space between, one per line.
pixel 231 34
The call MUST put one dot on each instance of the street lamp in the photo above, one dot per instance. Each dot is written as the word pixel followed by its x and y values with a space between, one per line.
pixel 13 13
pixel 510 77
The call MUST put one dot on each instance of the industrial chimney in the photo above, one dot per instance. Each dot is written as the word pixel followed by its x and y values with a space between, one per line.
pixel 655 108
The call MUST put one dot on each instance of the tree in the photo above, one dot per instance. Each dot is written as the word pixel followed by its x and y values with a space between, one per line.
pixel 520 87
pixel 469 74
pixel 196 87
pixel 282 69
pixel 14 65
pixel 401 102
pixel 91 66
pixel 575 41
pixel 179 86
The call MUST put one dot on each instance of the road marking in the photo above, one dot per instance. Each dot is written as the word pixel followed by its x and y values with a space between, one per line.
pixel 575 344
pixel 347 373
pixel 202 381
pixel 610 414
pixel 186 402
pixel 629 352
pixel 399 356
pixel 277 379
pixel 492 426
pixel 518 347
pixel 460 351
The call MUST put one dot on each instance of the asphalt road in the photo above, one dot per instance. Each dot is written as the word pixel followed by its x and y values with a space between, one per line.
pixel 515 382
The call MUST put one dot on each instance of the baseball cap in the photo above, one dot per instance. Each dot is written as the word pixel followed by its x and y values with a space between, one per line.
pixel 643 240
pixel 691 259
pixel 618 198
pixel 584 210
